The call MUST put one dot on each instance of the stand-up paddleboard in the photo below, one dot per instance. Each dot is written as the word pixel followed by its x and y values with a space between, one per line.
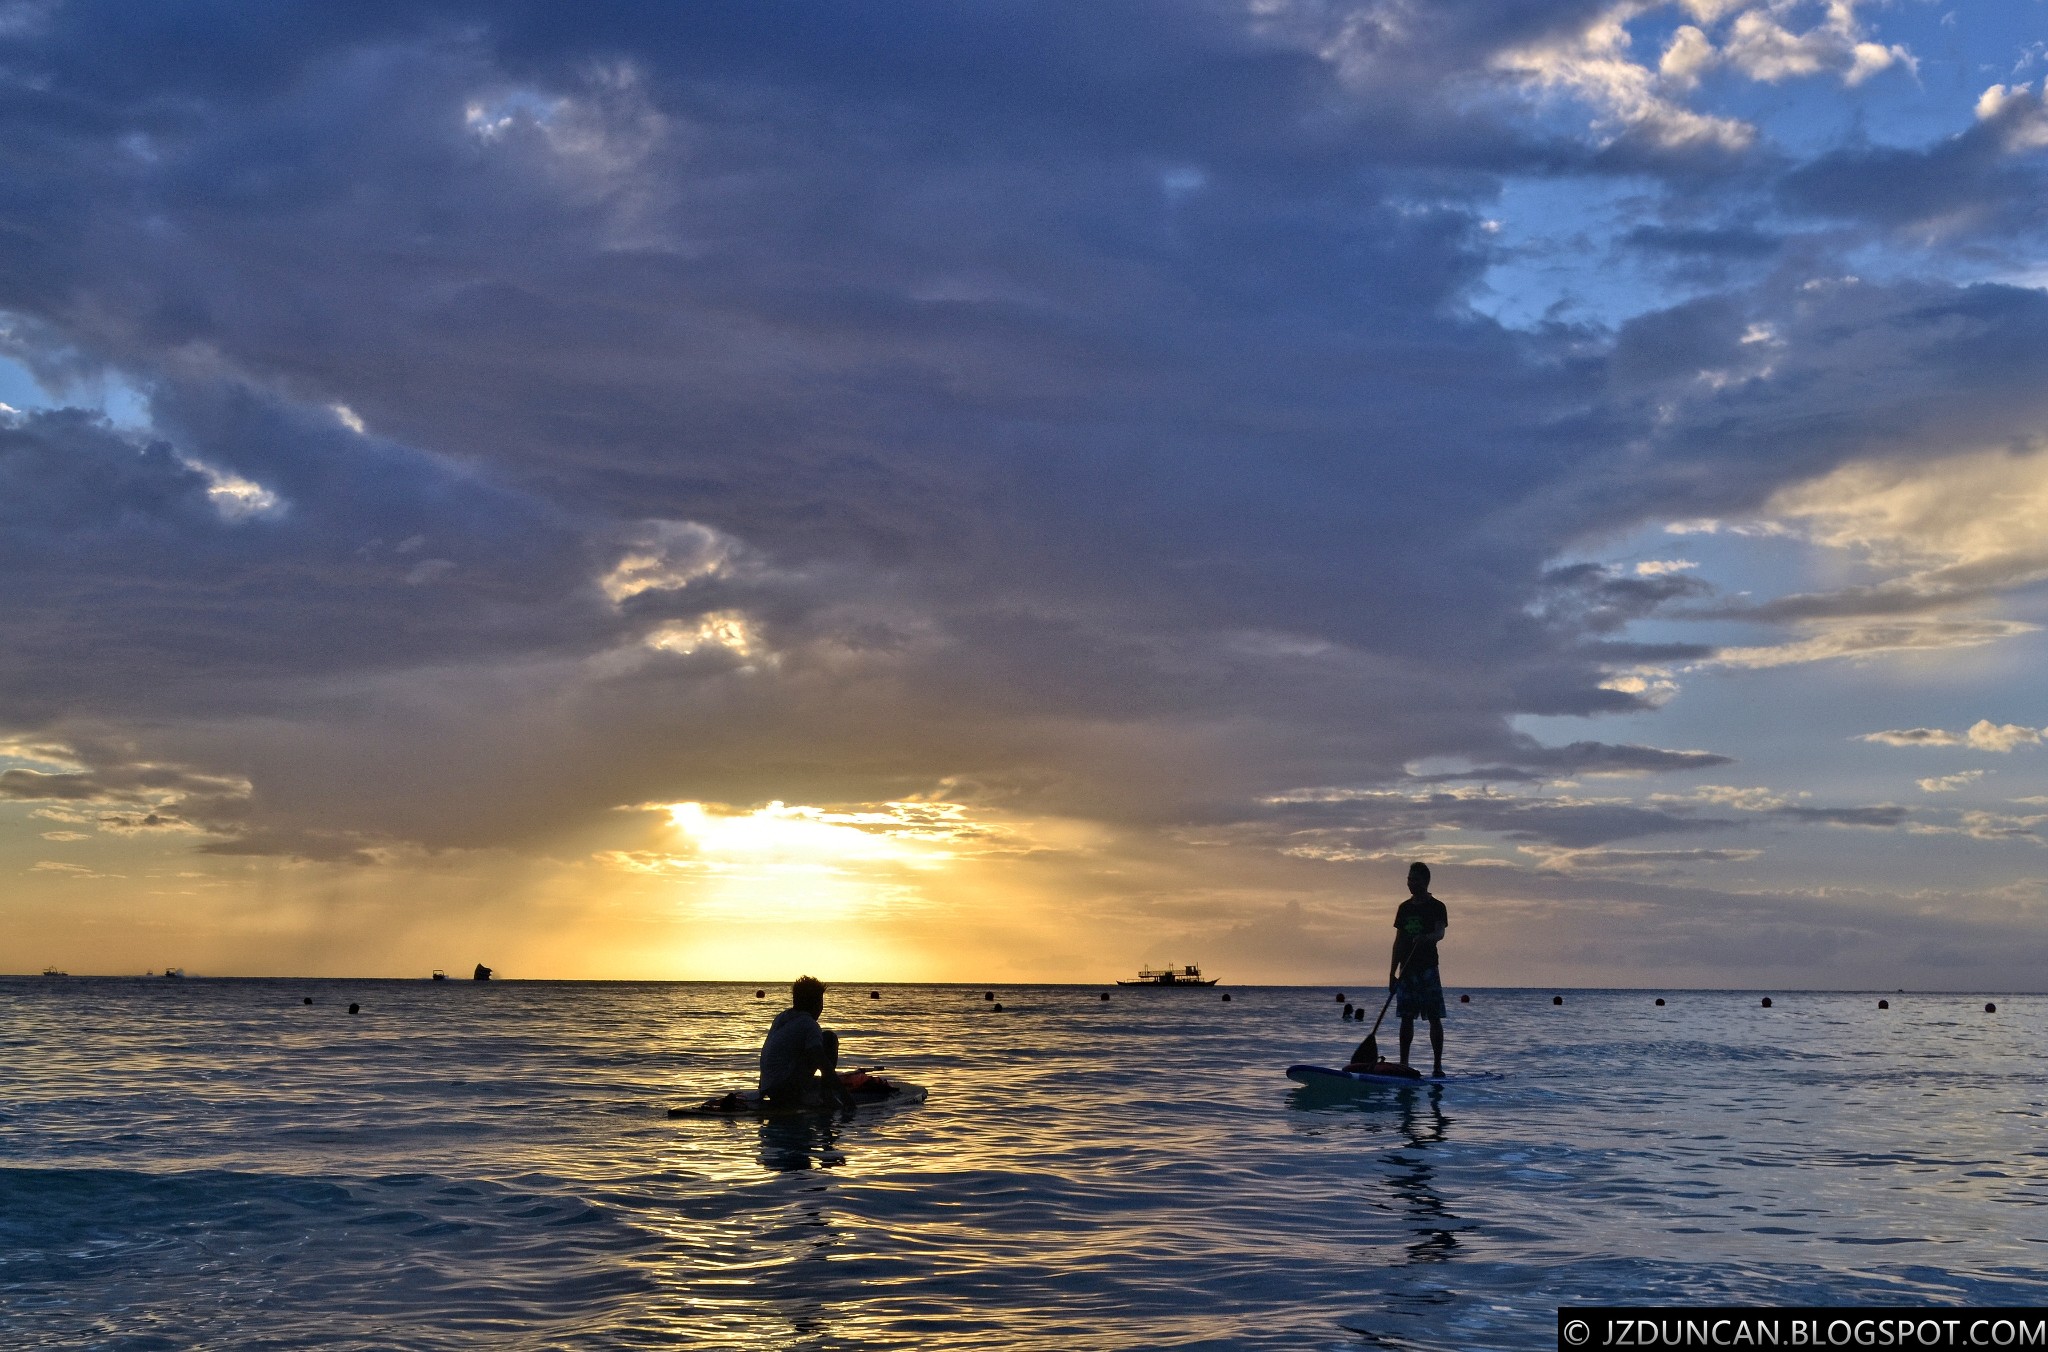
pixel 1331 1077
pixel 867 1090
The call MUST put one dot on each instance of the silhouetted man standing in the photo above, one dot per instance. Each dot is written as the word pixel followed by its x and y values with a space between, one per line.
pixel 1418 992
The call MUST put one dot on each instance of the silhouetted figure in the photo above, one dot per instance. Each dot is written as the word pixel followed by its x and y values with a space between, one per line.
pixel 1418 991
pixel 355 1008
pixel 482 973
pixel 798 1054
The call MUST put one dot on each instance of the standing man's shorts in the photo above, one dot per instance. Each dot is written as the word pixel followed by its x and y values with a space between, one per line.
pixel 1420 995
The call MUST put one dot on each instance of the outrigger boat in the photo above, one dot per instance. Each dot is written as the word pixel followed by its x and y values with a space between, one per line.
pixel 1190 975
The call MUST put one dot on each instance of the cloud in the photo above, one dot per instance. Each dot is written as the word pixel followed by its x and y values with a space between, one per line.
pixel 1983 735
pixel 1761 47
pixel 150 796
pixel 1976 182
pixel 1872 640
pixel 667 556
pixel 1876 818
pixel 1949 783
pixel 1912 737
pixel 1988 736
pixel 1631 861
pixel 542 412
pixel 68 870
pixel 1594 64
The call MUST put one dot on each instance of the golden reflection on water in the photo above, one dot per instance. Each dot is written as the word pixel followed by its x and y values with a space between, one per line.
pixel 1087 1174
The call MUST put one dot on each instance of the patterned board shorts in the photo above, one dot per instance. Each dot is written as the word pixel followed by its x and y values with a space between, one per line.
pixel 1420 995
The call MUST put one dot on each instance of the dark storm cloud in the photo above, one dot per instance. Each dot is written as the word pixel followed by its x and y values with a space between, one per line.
pixel 1985 181
pixel 134 575
pixel 1088 393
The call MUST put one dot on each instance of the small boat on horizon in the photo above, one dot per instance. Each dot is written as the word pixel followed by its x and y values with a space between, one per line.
pixel 51 971
pixel 174 971
pixel 439 975
pixel 482 973
pixel 1190 975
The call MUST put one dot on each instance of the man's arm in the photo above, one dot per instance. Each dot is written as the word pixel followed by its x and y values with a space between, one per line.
pixel 1443 923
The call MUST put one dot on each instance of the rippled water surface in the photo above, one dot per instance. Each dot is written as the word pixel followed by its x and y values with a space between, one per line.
pixel 217 1164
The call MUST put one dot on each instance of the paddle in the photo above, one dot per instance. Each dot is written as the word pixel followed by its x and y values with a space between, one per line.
pixel 1369 1050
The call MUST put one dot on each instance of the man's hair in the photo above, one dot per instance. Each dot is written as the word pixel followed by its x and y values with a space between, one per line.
pixel 807 992
pixel 1420 870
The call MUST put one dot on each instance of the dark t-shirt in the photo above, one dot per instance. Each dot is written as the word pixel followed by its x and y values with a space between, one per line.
pixel 1418 916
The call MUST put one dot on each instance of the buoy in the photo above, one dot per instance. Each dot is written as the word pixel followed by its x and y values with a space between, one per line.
pixel 1464 999
pixel 1226 1000
pixel 988 995
pixel 1105 995
pixel 309 999
pixel 759 994
pixel 1660 999
pixel 1767 1002
pixel 1884 1004
pixel 1557 999
pixel 1988 1009
pixel 999 1007
pixel 874 995
pixel 355 1009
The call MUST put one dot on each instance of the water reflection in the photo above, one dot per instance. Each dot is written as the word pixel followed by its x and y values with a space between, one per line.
pixel 808 1141
pixel 1424 1123
pixel 1414 1300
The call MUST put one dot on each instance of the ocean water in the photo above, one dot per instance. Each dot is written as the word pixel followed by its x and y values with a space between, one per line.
pixel 216 1164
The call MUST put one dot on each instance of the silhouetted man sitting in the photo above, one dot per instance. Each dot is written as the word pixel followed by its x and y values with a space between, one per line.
pixel 798 1055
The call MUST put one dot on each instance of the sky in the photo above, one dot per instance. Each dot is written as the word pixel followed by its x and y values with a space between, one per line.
pixel 1022 491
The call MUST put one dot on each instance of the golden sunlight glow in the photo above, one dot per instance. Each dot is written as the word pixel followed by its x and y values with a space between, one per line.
pixel 772 862
pixel 804 836
pixel 719 629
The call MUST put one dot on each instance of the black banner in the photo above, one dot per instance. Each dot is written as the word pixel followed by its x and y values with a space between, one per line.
pixel 1599 1327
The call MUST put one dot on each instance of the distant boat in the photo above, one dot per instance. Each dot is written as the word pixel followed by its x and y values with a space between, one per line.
pixel 440 975
pixel 1190 975
pixel 482 973
pixel 51 971
pixel 174 971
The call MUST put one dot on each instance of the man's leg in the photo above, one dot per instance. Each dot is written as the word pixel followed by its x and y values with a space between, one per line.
pixel 1407 1035
pixel 1436 1043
